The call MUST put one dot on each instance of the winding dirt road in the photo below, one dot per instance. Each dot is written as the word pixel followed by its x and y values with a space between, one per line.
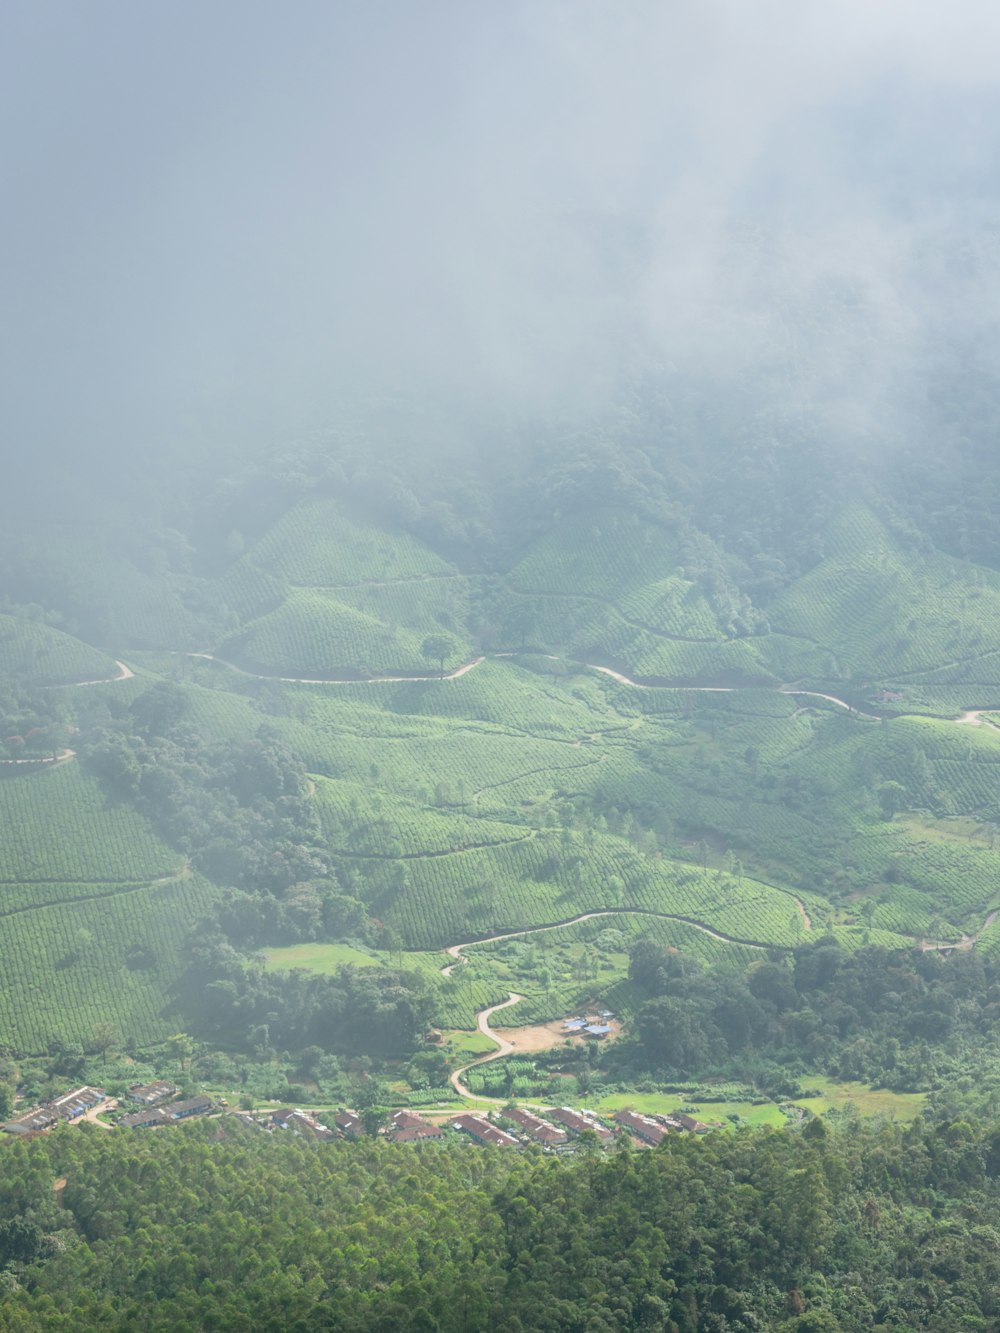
pixel 327 680
pixel 966 942
pixel 618 676
pixel 504 1047
pixel 124 673
pixel 974 718
pixel 455 950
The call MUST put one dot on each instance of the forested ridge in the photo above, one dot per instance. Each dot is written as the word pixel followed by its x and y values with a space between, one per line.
pixel 854 1226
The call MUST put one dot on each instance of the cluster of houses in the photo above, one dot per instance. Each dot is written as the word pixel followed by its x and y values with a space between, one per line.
pixel 152 1116
pixel 157 1107
pixel 70 1106
pixel 302 1122
pixel 594 1025
pixel 509 1127
pixel 152 1099
pixel 887 697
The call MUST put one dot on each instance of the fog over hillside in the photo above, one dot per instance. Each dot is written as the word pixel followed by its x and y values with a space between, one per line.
pixel 220 219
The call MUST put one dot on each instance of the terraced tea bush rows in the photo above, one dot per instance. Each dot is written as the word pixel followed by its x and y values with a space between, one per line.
pixel 425 603
pixel 318 545
pixel 905 910
pixel 67 970
pixel 673 606
pixel 314 634
pixel 605 555
pixel 34 654
pixel 124 605
pixel 360 822
pixel 18 898
pixel 58 825
pixel 882 609
pixel 250 592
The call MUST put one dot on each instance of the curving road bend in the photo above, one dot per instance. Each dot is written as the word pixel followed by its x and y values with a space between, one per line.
pixel 504 1047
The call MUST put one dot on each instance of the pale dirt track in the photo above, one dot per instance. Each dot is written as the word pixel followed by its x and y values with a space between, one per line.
pixel 109 1104
pixel 504 1047
pixel 124 673
pixel 974 718
pixel 327 680
pixel 966 942
pixel 455 950
pixel 48 760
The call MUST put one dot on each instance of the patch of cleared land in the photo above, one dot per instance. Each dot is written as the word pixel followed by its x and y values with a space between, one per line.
pixel 543 1036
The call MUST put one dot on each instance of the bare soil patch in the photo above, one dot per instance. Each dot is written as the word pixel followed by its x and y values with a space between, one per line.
pixel 543 1036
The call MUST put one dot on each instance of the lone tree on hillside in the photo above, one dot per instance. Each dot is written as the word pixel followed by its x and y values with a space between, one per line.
pixel 436 647
pixel 891 796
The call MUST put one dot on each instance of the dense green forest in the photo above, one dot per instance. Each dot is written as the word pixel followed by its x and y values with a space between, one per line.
pixel 847 1227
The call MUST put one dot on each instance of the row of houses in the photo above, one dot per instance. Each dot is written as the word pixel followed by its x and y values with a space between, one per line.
pixel 563 1123
pixel 653 1129
pixel 408 1127
pixel 542 1131
pixel 554 1130
pixel 152 1117
pixel 403 1127
pixel 480 1129
pixel 70 1106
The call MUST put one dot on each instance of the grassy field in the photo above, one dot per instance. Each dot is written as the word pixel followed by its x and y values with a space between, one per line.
pixel 322 958
pixel 833 1096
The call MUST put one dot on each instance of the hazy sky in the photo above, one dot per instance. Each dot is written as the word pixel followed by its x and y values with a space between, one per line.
pixel 233 209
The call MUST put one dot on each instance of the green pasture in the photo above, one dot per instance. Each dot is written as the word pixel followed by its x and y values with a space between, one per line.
pixel 869 1101
pixel 833 1096
pixel 322 958
pixel 659 1103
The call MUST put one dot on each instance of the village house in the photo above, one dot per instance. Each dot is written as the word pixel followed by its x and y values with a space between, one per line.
pixel 483 1132
pixel 418 1133
pixel 193 1106
pixel 578 1121
pixel 407 1127
pixel 349 1123
pixel 80 1100
pixel 67 1107
pixel 31 1122
pixel 152 1116
pixel 642 1126
pixel 689 1123
pixel 670 1121
pixel 144 1119
pixel 301 1122
pixel 542 1131
pixel 148 1094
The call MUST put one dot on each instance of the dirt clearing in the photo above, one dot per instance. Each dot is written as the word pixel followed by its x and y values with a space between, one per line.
pixel 543 1036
